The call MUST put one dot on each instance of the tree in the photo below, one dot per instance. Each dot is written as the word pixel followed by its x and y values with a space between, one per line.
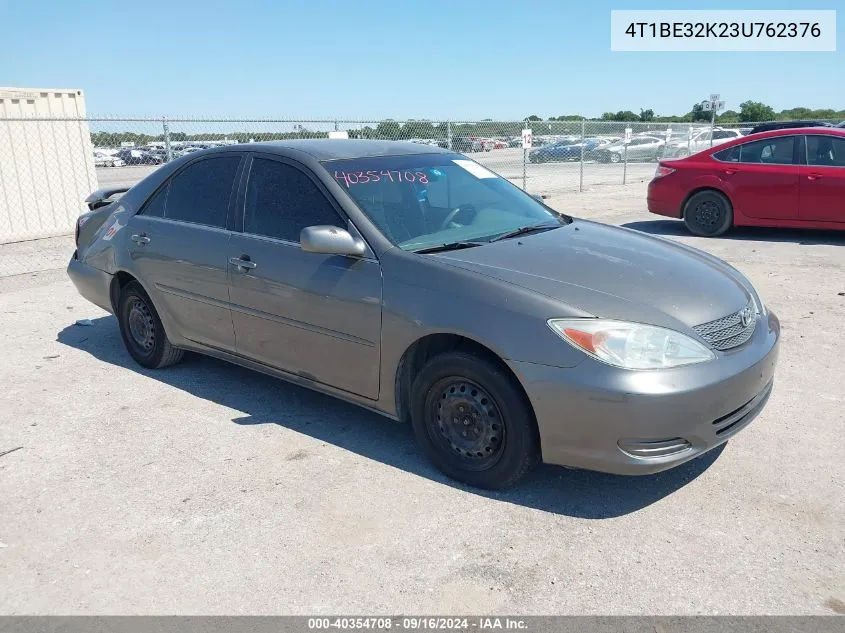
pixel 753 111
pixel 728 116
pixel 646 115
pixel 534 117
pixel 622 115
pixel 698 113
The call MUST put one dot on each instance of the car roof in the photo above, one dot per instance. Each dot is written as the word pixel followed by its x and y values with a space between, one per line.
pixel 333 149
pixel 791 131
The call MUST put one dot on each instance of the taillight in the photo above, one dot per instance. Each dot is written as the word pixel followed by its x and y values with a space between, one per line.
pixel 663 170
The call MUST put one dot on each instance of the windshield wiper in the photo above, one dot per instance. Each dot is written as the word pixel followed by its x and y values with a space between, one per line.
pixel 523 230
pixel 450 246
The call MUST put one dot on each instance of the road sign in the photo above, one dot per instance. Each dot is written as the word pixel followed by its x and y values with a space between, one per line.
pixel 707 106
pixel 628 133
pixel 714 97
pixel 527 138
pixel 720 105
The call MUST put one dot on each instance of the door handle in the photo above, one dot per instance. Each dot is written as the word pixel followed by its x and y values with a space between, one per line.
pixel 729 172
pixel 140 240
pixel 814 177
pixel 242 264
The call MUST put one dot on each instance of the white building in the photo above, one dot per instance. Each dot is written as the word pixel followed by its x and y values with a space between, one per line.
pixel 46 162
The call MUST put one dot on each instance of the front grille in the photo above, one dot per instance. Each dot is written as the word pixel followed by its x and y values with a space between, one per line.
pixel 729 332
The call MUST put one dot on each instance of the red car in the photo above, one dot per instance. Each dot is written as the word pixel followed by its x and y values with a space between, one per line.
pixel 783 178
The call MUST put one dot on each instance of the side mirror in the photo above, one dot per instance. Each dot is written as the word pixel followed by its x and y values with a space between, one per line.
pixel 330 240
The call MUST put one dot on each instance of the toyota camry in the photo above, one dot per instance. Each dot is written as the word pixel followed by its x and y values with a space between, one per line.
pixel 414 282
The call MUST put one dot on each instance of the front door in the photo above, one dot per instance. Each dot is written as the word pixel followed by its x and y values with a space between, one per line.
pixel 178 242
pixel 822 188
pixel 316 316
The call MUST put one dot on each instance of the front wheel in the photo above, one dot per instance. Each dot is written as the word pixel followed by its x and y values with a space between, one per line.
pixel 142 331
pixel 473 421
pixel 615 158
pixel 708 214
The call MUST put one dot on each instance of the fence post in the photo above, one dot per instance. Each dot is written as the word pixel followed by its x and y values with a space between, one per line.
pixel 449 135
pixel 625 166
pixel 168 152
pixel 581 175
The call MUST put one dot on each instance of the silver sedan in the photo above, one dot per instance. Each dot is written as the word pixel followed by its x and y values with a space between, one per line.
pixel 414 282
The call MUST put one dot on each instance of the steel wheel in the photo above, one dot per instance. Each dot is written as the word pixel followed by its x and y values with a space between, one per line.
pixel 615 158
pixel 708 214
pixel 141 326
pixel 464 418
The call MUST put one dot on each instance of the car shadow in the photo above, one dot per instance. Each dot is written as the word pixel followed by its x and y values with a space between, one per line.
pixel 266 400
pixel 804 237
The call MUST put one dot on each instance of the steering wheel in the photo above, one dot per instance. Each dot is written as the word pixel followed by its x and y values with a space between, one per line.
pixel 447 221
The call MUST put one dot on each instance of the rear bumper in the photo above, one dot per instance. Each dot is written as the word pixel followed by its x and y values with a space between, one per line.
pixel 662 200
pixel 92 283
pixel 597 417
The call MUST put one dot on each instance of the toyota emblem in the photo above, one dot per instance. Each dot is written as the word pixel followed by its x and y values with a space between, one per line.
pixel 746 316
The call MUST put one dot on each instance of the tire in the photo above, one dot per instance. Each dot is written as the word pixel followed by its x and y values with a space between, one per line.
pixel 490 440
pixel 142 331
pixel 708 214
pixel 615 158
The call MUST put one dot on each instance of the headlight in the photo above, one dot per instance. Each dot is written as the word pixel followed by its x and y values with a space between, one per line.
pixel 631 345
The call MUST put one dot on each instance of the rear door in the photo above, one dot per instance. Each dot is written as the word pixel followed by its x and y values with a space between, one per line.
pixel 761 177
pixel 823 179
pixel 317 316
pixel 179 243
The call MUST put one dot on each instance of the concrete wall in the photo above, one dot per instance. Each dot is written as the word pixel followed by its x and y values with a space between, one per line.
pixel 46 162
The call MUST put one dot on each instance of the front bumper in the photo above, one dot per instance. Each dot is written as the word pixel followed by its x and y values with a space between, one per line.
pixel 92 283
pixel 598 417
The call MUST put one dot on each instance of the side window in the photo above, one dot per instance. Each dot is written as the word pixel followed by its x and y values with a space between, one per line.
pixel 281 201
pixel 200 193
pixel 825 151
pixel 771 151
pixel 730 155
pixel 154 207
pixel 723 134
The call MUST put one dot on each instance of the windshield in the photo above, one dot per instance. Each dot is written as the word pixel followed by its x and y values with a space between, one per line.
pixel 424 200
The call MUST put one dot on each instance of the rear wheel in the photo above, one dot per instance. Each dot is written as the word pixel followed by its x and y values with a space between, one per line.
pixel 473 422
pixel 708 214
pixel 615 158
pixel 142 331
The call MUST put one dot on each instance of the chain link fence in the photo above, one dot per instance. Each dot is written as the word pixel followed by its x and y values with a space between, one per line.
pixel 49 165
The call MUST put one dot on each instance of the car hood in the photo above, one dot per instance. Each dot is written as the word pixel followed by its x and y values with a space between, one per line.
pixel 615 273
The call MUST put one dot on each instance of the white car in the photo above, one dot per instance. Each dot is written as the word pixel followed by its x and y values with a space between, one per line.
pixel 101 159
pixel 680 147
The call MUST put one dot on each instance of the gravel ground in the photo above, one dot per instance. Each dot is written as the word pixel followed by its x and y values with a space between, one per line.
pixel 208 489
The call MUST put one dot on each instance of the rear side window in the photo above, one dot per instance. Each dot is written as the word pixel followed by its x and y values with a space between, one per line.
pixel 200 193
pixel 724 134
pixel 155 205
pixel 281 201
pixel 825 151
pixel 771 151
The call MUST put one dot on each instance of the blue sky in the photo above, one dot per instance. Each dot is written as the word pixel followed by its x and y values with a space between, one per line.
pixel 433 59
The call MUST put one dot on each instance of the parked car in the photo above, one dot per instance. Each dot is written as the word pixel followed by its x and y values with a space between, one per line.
pixel 343 266
pixel 562 151
pixel 500 144
pixel 138 157
pixel 101 159
pixel 641 148
pixel 466 144
pixel 681 147
pixel 782 125
pixel 793 177
pixel 593 154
